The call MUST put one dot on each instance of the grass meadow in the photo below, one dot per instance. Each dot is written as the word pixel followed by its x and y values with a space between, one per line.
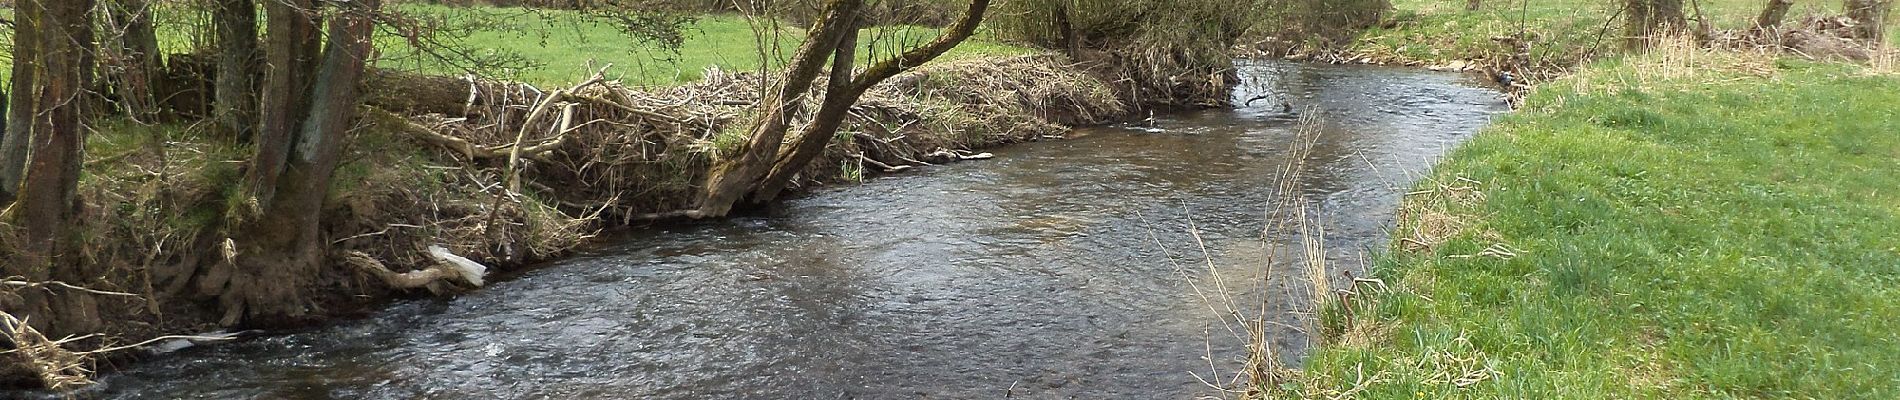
pixel 1682 224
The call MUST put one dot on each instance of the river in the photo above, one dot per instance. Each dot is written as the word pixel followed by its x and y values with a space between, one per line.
pixel 1058 269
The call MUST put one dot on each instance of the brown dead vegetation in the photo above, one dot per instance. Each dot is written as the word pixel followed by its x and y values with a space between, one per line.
pixel 621 152
pixel 1818 37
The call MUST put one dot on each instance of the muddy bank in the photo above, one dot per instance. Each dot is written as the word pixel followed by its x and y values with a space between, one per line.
pixel 154 201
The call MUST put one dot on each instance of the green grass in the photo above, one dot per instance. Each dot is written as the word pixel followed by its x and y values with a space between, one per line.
pixel 1680 231
pixel 560 46
pixel 564 44
pixel 1437 31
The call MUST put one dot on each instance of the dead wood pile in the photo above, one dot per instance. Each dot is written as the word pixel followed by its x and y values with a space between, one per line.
pixel 616 150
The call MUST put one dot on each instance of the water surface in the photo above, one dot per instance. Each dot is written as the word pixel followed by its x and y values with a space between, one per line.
pixel 1058 269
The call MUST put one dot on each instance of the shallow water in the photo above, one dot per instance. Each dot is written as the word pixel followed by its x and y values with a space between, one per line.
pixel 1057 269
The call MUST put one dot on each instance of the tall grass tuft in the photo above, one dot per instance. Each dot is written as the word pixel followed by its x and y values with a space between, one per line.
pixel 1254 319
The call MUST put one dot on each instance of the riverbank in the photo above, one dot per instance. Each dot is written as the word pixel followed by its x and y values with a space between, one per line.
pixel 1679 224
pixel 430 176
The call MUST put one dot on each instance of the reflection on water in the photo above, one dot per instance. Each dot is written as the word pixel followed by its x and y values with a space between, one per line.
pixel 1042 273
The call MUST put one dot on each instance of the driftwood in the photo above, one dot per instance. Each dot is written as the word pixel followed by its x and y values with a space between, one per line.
pixel 449 268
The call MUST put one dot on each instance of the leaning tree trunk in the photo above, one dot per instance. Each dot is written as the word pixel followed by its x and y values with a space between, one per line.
pixel 282 248
pixel 19 126
pixel 49 202
pixel 731 179
pixel 1870 18
pixel 841 96
pixel 235 107
pixel 1772 15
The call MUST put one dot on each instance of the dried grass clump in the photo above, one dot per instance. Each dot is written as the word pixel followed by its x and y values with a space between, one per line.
pixel 40 358
pixel 1425 219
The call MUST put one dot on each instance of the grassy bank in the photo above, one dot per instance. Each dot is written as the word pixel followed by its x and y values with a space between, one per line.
pixel 1560 33
pixel 1683 224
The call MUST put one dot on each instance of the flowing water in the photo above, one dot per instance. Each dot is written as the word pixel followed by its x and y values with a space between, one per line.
pixel 1058 269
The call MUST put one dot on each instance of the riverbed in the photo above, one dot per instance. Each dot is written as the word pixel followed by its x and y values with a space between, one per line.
pixel 1059 268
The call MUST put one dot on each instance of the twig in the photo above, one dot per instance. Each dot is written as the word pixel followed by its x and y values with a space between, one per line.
pixel 29 285
pixel 225 336
pixel 628 109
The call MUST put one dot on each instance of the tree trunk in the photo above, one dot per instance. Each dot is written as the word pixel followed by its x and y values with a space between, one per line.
pixel 236 102
pixel 840 97
pixel 283 248
pixel 1870 18
pixel 293 45
pixel 731 179
pixel 1636 24
pixel 1773 14
pixel 824 124
pixel 1065 31
pixel 1649 20
pixel 133 59
pixel 19 127
pixel 49 202
pixel 1667 15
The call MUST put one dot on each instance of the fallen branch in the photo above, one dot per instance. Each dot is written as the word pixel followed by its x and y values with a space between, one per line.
pixel 449 267
pixel 424 133
pixel 207 338
pixel 627 108
pixel 29 285
pixel 880 164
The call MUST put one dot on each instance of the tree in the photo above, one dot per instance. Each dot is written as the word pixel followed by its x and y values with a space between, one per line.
pixel 1648 20
pixel 20 99
pixel 764 166
pixel 844 90
pixel 1870 18
pixel 132 56
pixel 1772 15
pixel 304 119
pixel 48 202
pixel 235 103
